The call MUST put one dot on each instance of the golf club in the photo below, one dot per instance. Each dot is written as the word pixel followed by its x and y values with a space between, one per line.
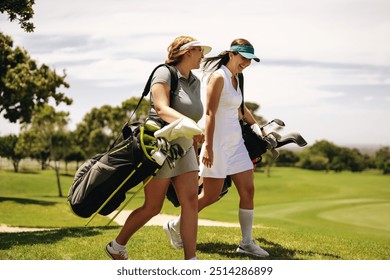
pixel 277 121
pixel 274 134
pixel 275 153
pixel 271 142
pixel 292 138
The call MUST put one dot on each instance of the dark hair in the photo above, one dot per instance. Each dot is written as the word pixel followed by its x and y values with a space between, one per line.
pixel 175 55
pixel 213 63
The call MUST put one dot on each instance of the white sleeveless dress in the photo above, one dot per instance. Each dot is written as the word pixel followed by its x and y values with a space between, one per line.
pixel 230 153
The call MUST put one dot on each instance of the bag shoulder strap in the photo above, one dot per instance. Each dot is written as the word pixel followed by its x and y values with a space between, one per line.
pixel 241 85
pixel 174 79
pixel 174 83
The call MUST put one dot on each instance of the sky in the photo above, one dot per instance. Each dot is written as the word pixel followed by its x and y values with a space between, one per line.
pixel 324 70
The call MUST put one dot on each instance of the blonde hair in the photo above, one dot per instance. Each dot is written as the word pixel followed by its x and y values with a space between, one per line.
pixel 175 55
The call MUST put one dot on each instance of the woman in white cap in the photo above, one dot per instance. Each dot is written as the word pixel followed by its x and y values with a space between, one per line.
pixel 184 53
pixel 223 152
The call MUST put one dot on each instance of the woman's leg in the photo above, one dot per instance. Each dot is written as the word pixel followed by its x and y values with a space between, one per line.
pixel 245 187
pixel 186 187
pixel 210 194
pixel 244 182
pixel 211 191
pixel 155 192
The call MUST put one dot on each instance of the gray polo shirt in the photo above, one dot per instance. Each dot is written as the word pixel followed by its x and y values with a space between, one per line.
pixel 186 100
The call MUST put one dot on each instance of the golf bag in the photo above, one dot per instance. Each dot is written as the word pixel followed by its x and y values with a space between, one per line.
pixel 255 145
pixel 104 179
pixel 101 183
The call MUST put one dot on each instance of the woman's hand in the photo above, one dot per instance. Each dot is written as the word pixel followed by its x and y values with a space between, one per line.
pixel 208 157
pixel 199 138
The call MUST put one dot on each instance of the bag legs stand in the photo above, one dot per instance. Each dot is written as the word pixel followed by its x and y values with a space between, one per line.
pixel 112 195
pixel 130 199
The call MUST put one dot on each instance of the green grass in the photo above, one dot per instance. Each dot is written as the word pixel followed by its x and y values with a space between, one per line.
pixel 300 214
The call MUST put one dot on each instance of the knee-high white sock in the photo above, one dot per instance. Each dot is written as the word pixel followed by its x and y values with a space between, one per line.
pixel 245 217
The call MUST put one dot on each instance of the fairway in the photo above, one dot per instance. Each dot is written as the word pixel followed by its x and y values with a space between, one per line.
pixel 368 217
pixel 362 215
pixel 299 214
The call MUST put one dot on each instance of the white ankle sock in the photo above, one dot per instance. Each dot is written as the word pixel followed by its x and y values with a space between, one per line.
pixel 245 217
pixel 117 246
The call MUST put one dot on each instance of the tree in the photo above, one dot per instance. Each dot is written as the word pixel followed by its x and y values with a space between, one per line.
pixel 312 160
pixel 7 150
pixel 326 148
pixel 75 154
pixel 268 160
pixel 20 10
pixel 348 159
pixel 94 134
pixel 25 85
pixel 58 147
pixel 128 106
pixel 357 161
pixel 321 156
pixel 287 158
pixel 100 127
pixel 253 107
pixel 45 138
pixel 324 155
pixel 30 145
pixel 382 159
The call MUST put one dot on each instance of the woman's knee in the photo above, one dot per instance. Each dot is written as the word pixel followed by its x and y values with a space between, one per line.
pixel 151 210
pixel 189 200
pixel 247 193
pixel 207 199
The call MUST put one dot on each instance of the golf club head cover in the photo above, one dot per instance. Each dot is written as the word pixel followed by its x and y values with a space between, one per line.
pixel 183 127
pixel 256 129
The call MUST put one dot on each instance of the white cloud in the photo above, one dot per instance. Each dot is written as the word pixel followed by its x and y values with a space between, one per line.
pixel 310 51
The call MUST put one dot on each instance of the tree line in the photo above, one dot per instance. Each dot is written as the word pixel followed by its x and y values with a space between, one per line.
pixel 326 156
pixel 47 140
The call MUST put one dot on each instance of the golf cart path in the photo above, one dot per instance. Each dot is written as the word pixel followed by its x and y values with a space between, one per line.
pixel 160 219
pixel 10 229
pixel 120 220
